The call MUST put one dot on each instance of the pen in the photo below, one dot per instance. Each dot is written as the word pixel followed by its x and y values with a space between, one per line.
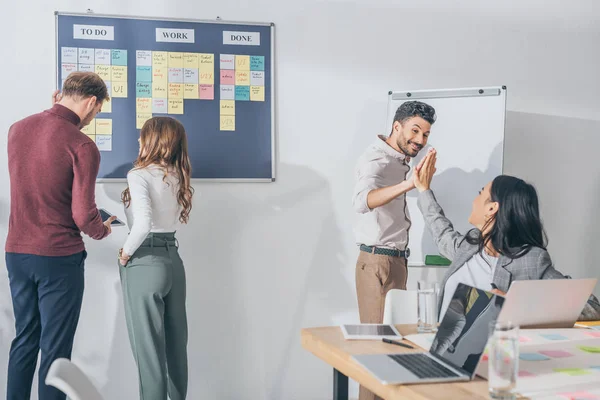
pixel 397 343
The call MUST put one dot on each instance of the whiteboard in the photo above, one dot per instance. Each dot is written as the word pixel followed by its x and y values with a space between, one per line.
pixel 469 138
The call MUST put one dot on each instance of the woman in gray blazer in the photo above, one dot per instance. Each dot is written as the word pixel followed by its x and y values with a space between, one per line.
pixel 508 242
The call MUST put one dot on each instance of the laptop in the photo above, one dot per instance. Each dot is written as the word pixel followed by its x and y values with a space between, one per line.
pixel 456 349
pixel 548 303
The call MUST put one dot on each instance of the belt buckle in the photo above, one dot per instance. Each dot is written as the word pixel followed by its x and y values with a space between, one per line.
pixel 407 253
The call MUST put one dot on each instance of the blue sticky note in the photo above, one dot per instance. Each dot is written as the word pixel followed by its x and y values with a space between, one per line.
pixel 554 336
pixel 143 89
pixel 257 63
pixel 242 93
pixel 119 57
pixel 533 357
pixel 143 74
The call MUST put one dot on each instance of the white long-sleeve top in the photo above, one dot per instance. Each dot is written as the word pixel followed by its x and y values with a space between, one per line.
pixel 153 206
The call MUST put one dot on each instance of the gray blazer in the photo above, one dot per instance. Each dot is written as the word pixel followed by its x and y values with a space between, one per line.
pixel 536 264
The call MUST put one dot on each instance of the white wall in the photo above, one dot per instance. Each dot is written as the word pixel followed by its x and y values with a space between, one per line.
pixel 265 260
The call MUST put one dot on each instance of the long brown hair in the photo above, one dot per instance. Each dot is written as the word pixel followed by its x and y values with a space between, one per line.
pixel 163 142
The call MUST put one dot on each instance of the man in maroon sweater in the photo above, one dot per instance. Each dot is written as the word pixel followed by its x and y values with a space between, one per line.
pixel 53 169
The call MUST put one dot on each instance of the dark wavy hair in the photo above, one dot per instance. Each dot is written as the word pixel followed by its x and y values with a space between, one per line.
pixel 517 224
pixel 411 109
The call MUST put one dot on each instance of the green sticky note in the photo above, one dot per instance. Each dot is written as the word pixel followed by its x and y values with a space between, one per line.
pixel 436 260
pixel 590 349
pixel 572 371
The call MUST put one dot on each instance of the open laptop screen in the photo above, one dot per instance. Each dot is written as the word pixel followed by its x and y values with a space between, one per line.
pixel 464 330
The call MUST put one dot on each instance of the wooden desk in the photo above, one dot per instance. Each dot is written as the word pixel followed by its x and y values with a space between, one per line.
pixel 330 346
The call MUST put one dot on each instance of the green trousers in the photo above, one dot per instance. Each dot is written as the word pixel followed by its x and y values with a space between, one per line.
pixel 153 283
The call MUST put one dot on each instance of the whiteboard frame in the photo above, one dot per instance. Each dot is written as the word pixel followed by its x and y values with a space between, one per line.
pixel 445 93
pixel 188 20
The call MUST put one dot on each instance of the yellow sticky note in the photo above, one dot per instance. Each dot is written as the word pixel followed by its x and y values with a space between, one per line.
pixel 159 90
pixel 160 59
pixel 106 106
pixel 227 107
pixel 103 71
pixel 227 123
pixel 90 129
pixel 160 74
pixel 103 126
pixel 119 73
pixel 242 78
pixel 141 118
pixel 242 63
pixel 257 93
pixel 175 106
pixel 93 137
pixel 119 89
pixel 143 105
pixel 207 78
pixel 190 91
pixel 207 63
pixel 191 60
pixel 175 90
pixel 175 60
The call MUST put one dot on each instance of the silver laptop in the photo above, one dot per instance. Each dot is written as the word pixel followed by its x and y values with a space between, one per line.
pixel 456 348
pixel 549 303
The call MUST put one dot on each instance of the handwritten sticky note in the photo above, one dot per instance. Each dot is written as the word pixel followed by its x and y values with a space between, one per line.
pixel 175 60
pixel 119 57
pixel 106 106
pixel 227 92
pixel 257 93
pixel 119 74
pixel 190 75
pixel 227 107
pixel 86 67
pixel 104 142
pixel 67 69
pixel 242 63
pixel 86 56
pixel 191 91
pixel 207 92
pixel 68 55
pixel 175 75
pixel 580 396
pixel 257 63
pixel 143 89
pixel 572 371
pixel 242 93
pixel 104 71
pixel 227 77
pixel 207 77
pixel 140 119
pixel 143 58
pixel 593 334
pixel 160 90
pixel 159 106
pixel 160 74
pixel 102 57
pixel 227 123
pixel 524 339
pixel 119 89
pixel 143 74
pixel 227 61
pixel 590 349
pixel 175 91
pixel 191 60
pixel 90 129
pixel 143 106
pixel 175 106
pixel 207 62
pixel 554 336
pixel 257 78
pixel 525 374
pixel 556 353
pixel 242 78
pixel 533 357
pixel 103 126
pixel 159 59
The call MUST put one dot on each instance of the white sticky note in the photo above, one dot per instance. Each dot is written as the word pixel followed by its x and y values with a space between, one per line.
pixel 143 58
pixel 67 69
pixel 68 55
pixel 227 92
pixel 160 106
pixel 175 75
pixel 190 75
pixel 102 56
pixel 87 68
pixel 104 142
pixel 227 61
pixel 86 56
pixel 257 78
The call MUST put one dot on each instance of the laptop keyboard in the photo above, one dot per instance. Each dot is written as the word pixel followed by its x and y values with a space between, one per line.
pixel 423 366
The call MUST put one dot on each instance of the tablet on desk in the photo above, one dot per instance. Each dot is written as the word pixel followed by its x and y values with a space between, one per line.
pixel 106 215
pixel 370 332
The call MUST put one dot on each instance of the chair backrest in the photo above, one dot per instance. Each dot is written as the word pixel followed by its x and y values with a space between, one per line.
pixel 69 379
pixel 400 307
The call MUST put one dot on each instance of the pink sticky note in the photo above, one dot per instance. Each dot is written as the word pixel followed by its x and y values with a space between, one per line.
pixel 579 395
pixel 525 374
pixel 524 339
pixel 556 353
pixel 207 92
pixel 593 334
pixel 227 77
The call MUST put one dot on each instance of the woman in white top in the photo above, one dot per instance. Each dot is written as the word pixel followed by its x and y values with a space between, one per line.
pixel 157 200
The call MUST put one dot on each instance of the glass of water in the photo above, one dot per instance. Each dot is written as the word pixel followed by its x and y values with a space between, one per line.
pixel 427 301
pixel 503 360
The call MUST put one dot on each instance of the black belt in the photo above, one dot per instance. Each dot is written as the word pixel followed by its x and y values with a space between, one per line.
pixel 384 251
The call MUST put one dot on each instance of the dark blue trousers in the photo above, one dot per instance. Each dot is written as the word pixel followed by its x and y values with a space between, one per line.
pixel 46 295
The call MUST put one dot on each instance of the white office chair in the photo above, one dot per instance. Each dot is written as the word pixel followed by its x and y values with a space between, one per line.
pixel 400 307
pixel 69 379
